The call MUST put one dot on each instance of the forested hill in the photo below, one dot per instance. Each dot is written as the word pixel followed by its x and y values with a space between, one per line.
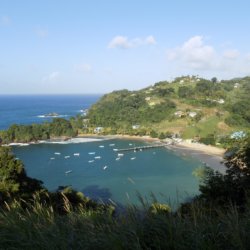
pixel 189 105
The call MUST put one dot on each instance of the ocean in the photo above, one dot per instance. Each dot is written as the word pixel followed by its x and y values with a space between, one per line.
pixel 91 165
pixel 28 109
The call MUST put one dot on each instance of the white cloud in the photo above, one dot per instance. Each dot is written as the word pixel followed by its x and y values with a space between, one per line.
pixel 5 21
pixel 52 77
pixel 150 40
pixel 42 33
pixel 119 42
pixel 231 54
pixel 194 53
pixel 248 57
pixel 85 67
pixel 123 42
pixel 197 57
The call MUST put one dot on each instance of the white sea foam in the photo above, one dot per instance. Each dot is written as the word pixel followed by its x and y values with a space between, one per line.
pixel 18 144
pixel 51 116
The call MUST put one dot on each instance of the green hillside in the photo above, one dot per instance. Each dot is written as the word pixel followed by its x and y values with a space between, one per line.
pixel 189 106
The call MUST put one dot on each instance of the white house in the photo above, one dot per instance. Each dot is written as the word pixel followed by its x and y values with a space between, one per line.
pixel 192 114
pixel 236 85
pixel 221 101
pixel 179 113
pixel 98 130
pixel 136 126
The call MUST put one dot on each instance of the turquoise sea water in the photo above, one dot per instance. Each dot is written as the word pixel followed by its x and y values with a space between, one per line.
pixel 158 171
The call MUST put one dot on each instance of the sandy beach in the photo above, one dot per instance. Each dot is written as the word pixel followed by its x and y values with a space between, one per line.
pixel 212 156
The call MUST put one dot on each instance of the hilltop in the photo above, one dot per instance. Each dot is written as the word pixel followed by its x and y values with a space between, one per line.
pixel 189 106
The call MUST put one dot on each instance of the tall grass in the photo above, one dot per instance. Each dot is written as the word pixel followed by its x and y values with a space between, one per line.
pixel 39 227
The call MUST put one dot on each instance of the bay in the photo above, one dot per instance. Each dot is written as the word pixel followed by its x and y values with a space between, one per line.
pixel 94 168
pixel 162 172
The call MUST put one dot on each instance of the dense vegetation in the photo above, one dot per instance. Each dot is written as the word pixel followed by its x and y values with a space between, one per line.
pixel 31 217
pixel 192 107
pixel 218 218
pixel 26 133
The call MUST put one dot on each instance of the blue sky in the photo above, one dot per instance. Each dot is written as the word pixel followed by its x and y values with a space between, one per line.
pixel 82 46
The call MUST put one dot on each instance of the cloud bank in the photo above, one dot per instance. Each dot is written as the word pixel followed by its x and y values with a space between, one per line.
pixel 195 54
pixel 122 42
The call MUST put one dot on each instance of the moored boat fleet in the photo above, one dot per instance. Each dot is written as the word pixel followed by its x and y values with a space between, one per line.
pixel 94 156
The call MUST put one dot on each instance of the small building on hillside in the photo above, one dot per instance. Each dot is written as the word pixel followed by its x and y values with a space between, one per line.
pixel 179 114
pixel 98 130
pixel 238 135
pixel 136 126
pixel 221 101
pixel 192 114
pixel 236 85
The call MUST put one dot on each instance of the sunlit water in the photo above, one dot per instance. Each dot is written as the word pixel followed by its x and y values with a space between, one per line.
pixel 109 177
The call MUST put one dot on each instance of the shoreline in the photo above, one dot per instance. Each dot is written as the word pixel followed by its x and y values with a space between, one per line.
pixel 208 155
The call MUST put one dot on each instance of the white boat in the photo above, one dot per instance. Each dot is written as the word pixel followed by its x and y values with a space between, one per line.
pixel 119 155
pixel 67 156
pixel 133 158
pixel 101 146
pixel 98 157
pixel 91 161
pixel 52 158
pixel 130 144
pixel 68 172
pixel 76 154
pixel 112 145
pixel 57 153
pixel 105 167
pixel 91 153
pixel 118 158
pixel 115 149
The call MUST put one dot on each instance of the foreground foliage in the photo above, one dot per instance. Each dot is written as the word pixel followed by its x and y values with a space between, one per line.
pixel 41 228
pixel 216 219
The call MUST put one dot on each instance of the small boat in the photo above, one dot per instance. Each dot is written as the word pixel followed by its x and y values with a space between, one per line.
pixel 67 156
pixel 130 144
pixel 133 158
pixel 101 146
pixel 98 157
pixel 118 158
pixel 68 172
pixel 52 158
pixel 112 145
pixel 115 149
pixel 105 167
pixel 76 154
pixel 91 161
pixel 131 180
pixel 57 153
pixel 119 155
pixel 91 153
